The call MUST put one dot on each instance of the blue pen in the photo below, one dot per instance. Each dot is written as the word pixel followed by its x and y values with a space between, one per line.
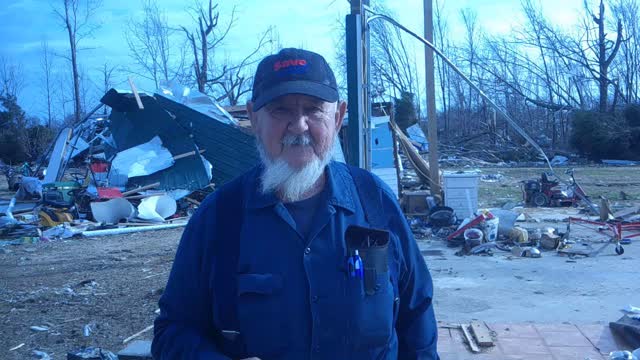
pixel 351 267
pixel 357 264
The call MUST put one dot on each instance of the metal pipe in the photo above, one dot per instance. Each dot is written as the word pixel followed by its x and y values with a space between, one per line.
pixel 119 231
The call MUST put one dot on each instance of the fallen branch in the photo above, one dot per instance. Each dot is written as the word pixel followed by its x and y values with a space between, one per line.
pixel 150 327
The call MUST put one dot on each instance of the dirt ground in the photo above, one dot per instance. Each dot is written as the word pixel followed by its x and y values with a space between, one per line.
pixel 112 284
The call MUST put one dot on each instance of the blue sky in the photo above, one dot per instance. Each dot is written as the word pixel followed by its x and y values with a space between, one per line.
pixel 312 24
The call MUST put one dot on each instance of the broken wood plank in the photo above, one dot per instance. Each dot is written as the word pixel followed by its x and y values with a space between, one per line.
pixel 138 197
pixel 142 188
pixel 150 327
pixel 135 94
pixel 470 340
pixel 187 154
pixel 624 213
pixel 195 202
pixel 481 333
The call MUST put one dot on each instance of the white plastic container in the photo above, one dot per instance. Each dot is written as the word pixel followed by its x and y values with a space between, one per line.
pixel 461 192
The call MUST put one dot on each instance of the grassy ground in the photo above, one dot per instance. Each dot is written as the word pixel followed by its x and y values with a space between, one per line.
pixel 596 181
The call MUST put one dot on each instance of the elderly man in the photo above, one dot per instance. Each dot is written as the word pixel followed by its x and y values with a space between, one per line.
pixel 302 257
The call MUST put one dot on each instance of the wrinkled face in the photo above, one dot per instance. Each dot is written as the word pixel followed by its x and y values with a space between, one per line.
pixel 297 129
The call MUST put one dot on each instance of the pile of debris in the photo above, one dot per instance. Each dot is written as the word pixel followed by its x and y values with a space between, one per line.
pixel 146 166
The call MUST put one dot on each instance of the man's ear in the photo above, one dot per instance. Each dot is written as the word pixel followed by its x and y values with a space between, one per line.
pixel 252 115
pixel 340 112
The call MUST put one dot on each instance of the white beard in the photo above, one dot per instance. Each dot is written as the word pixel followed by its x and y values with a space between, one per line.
pixel 291 183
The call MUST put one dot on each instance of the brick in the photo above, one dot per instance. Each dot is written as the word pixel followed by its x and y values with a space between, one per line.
pixel 522 346
pixel 601 337
pixel 575 353
pixel 556 327
pixel 514 330
pixel 560 338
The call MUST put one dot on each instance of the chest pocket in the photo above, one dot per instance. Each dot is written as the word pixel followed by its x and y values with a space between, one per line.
pixel 373 297
pixel 260 313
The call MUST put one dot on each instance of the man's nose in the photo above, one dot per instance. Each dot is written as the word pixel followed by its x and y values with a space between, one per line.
pixel 298 123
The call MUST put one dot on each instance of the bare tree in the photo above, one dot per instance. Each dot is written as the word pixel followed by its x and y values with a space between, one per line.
pixel 46 64
pixel 76 16
pixel 152 45
pixel 598 54
pixel 11 78
pixel 106 74
pixel 206 39
pixel 442 42
pixel 234 81
pixel 392 68
pixel 628 11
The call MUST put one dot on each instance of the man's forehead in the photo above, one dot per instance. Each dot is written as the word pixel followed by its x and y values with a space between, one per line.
pixel 293 99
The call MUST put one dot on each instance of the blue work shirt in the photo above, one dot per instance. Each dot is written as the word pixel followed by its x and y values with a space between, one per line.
pixel 280 295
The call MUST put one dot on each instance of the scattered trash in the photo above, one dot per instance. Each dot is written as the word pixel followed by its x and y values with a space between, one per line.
pixel 59 232
pixel 519 235
pixel 86 330
pixel 507 220
pixel 622 355
pixel 559 160
pixel 16 347
pixel 491 177
pixel 490 229
pixel 39 328
pixel 473 237
pixel 527 251
pixel 442 216
pixel 549 240
pixel 157 208
pixel 112 211
pixel 92 353
pixel 41 355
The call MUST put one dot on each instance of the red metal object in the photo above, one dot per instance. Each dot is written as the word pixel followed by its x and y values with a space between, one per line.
pixel 99 167
pixel 617 228
pixel 548 192
pixel 109 193
pixel 476 221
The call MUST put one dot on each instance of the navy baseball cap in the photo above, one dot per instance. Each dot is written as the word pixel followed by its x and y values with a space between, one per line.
pixel 293 71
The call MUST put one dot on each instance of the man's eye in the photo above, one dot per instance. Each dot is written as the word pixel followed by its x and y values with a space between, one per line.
pixel 278 110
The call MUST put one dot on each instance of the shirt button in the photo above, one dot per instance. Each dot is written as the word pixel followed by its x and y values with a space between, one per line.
pixel 316 348
pixel 307 250
pixel 314 299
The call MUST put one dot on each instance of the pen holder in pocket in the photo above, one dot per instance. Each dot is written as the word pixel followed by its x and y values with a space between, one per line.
pixel 373 248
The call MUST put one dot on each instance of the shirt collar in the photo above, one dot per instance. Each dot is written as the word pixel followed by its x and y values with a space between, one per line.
pixel 339 188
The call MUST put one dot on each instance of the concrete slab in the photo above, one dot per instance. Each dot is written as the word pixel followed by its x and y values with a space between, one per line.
pixel 553 289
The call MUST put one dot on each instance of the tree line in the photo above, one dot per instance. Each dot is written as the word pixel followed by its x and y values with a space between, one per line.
pixel 569 85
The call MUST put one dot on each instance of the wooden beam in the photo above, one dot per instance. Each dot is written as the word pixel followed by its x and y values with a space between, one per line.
pixel 470 340
pixel 481 333
pixel 135 94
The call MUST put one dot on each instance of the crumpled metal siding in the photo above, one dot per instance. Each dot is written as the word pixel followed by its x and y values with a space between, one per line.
pixel 230 150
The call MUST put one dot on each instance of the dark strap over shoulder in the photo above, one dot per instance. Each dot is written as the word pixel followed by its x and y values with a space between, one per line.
pixel 229 217
pixel 369 195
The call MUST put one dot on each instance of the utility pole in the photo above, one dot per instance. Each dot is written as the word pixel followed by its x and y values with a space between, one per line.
pixel 357 98
pixel 432 120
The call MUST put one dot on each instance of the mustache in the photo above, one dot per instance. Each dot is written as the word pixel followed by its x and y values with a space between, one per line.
pixel 297 140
